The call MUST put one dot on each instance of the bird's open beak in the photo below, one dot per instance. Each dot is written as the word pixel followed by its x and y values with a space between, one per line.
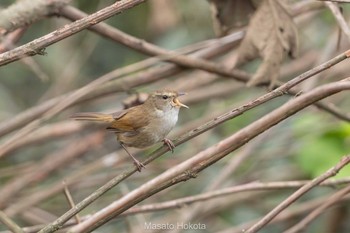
pixel 178 103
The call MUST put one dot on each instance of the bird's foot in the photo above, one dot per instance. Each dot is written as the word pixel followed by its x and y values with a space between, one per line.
pixel 139 165
pixel 169 144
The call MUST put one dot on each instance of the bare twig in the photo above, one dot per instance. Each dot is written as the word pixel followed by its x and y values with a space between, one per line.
pixel 9 43
pixel 297 210
pixel 48 165
pixel 25 12
pixel 177 203
pixel 9 223
pixel 340 18
pixel 11 39
pixel 226 172
pixel 38 45
pixel 72 178
pixel 292 198
pixel 343 1
pixel 70 201
pixel 254 186
pixel 13 170
pixel 48 132
pixel 334 110
pixel 151 49
pixel 319 210
pixel 306 6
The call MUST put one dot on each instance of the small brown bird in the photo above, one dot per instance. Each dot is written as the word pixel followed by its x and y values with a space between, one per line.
pixel 143 125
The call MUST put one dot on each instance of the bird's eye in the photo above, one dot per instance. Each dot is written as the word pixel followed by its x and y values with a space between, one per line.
pixel 165 97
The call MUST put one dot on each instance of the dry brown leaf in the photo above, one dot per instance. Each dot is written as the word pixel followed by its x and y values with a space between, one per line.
pixel 271 35
pixel 163 16
pixel 229 14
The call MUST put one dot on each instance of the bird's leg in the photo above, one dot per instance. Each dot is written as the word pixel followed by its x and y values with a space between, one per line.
pixel 169 144
pixel 137 163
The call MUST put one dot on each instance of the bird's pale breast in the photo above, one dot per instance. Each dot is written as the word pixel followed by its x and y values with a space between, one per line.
pixel 159 127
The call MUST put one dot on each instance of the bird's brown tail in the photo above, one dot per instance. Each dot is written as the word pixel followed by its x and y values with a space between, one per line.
pixel 92 116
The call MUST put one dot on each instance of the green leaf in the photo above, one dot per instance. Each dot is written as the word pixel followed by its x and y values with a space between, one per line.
pixel 320 152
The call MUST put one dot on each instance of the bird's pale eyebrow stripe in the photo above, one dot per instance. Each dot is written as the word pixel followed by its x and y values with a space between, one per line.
pixel 170 94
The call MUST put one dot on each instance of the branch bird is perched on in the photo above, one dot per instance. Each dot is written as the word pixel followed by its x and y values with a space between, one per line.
pixel 143 125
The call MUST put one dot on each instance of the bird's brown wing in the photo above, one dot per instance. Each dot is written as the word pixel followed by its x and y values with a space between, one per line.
pixel 129 120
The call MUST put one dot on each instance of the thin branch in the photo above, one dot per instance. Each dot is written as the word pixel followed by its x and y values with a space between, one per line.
pixel 106 161
pixel 48 132
pixel 148 48
pixel 333 110
pixel 9 223
pixel 179 203
pixel 182 202
pixel 341 1
pixel 296 195
pixel 9 43
pixel 25 12
pixel 151 49
pixel 318 211
pixel 70 201
pixel 13 170
pixel 42 169
pixel 196 163
pixel 340 18
pixel 12 38
pixel 37 46
pixel 297 210
pixel 227 171
pixel 306 6
pixel 254 186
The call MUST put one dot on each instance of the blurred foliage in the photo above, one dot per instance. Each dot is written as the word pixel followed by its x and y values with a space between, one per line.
pixel 321 148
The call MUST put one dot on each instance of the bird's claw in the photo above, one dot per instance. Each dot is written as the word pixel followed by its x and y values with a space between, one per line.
pixel 139 165
pixel 169 144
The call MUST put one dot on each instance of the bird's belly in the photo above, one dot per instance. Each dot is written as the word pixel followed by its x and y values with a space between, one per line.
pixel 140 140
pixel 155 132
